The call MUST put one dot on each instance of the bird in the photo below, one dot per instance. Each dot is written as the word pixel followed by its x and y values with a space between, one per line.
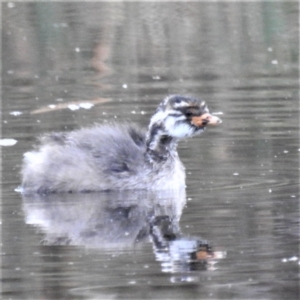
pixel 114 156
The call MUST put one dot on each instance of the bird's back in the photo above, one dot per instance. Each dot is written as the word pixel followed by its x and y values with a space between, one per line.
pixel 102 157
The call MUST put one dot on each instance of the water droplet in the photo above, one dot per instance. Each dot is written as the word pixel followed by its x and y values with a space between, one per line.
pixel 11 5
pixel 217 113
pixel 156 77
pixel 178 279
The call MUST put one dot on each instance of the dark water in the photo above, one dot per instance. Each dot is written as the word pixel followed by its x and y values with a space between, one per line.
pixel 235 234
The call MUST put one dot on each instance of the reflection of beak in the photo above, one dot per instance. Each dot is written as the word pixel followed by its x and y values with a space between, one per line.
pixel 206 119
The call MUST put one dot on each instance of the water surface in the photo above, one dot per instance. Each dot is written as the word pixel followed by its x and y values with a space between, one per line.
pixel 68 65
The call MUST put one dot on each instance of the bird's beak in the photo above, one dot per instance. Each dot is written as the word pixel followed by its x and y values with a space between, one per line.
pixel 206 119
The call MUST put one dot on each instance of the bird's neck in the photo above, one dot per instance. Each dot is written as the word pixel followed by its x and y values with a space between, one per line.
pixel 159 146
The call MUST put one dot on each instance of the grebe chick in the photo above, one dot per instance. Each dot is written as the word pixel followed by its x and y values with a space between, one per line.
pixel 117 156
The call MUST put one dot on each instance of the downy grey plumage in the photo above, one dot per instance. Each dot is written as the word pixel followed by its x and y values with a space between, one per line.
pixel 117 156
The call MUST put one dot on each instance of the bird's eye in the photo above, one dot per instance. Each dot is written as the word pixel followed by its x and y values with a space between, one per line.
pixel 188 113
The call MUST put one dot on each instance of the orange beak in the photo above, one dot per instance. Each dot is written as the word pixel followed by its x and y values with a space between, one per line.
pixel 202 255
pixel 205 119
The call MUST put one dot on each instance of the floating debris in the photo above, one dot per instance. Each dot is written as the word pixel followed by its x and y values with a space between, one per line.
pixel 293 258
pixel 86 105
pixel 8 142
pixel 18 189
pixel 71 105
pixel 15 113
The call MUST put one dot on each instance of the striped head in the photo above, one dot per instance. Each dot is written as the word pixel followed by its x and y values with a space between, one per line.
pixel 180 116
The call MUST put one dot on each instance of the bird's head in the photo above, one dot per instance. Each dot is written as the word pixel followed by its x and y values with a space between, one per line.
pixel 180 116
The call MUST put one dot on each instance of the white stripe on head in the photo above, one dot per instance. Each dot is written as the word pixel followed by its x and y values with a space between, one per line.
pixel 158 118
pixel 161 115
pixel 181 104
pixel 177 129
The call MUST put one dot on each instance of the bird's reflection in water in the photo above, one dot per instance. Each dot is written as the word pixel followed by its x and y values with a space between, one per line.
pixel 119 220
